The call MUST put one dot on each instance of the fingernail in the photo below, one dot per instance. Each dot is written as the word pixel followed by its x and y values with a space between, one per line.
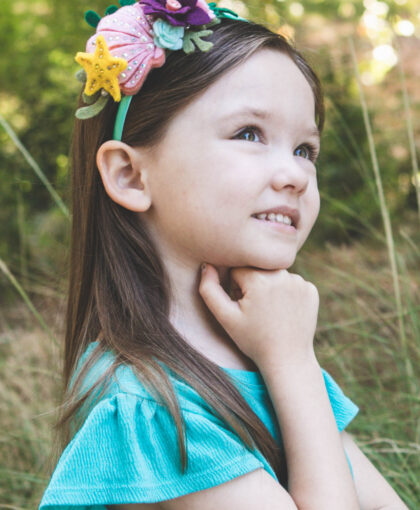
pixel 203 267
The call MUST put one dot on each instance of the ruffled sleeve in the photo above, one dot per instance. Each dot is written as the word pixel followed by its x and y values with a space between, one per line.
pixel 127 452
pixel 344 409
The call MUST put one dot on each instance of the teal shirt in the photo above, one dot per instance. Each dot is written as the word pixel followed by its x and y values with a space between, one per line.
pixel 127 452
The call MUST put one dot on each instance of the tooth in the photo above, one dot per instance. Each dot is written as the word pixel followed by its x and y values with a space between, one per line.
pixel 271 216
pixel 288 220
pixel 261 216
pixel 279 217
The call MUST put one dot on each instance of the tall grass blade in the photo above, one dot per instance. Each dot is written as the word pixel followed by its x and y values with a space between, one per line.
pixel 22 235
pixel 5 270
pixel 410 130
pixel 34 165
pixel 386 221
pixel 407 237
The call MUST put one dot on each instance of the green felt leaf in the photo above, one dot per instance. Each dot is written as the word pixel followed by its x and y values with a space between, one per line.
pixel 87 112
pixel 111 9
pixel 192 37
pixel 203 45
pixel 90 99
pixel 127 2
pixel 188 45
pixel 81 75
pixel 92 18
pixel 224 12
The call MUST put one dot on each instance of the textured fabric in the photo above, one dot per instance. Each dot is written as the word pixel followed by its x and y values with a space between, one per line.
pixel 126 450
pixel 182 13
pixel 129 36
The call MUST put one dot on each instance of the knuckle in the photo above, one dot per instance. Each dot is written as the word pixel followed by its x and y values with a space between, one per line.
pixel 294 277
pixel 313 291
pixel 284 273
pixel 313 287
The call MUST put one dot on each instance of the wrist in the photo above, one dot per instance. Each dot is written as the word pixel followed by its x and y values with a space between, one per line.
pixel 291 365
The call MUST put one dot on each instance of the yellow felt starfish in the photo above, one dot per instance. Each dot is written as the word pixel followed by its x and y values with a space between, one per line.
pixel 102 69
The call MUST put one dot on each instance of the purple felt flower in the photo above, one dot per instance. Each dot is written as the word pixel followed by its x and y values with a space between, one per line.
pixel 179 13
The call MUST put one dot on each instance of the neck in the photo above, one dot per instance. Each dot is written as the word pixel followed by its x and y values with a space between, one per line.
pixel 194 321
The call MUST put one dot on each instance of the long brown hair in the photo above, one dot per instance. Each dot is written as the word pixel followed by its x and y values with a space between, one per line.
pixel 119 291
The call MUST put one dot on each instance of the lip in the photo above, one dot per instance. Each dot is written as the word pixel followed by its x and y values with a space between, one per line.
pixel 285 210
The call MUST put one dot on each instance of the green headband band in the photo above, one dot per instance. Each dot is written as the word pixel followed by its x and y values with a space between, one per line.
pixel 120 118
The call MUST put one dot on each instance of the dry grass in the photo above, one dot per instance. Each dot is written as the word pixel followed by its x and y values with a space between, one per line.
pixel 357 342
pixel 29 382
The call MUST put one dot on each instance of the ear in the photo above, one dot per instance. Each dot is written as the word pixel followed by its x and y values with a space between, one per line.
pixel 124 175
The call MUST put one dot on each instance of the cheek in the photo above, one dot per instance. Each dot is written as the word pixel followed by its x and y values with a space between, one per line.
pixel 312 206
pixel 316 201
pixel 192 196
pixel 222 182
pixel 207 184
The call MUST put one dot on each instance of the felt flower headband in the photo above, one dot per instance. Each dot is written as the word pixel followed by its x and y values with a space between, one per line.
pixel 133 39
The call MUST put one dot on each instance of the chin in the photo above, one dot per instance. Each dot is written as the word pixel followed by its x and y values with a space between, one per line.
pixel 273 263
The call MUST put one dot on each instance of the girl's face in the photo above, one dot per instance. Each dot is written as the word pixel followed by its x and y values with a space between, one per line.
pixel 242 147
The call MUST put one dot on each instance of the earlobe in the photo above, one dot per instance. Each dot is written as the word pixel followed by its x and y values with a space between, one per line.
pixel 124 175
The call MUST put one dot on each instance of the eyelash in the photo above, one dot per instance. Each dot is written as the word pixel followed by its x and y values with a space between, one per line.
pixel 312 149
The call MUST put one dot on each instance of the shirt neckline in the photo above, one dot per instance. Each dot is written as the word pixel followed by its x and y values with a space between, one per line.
pixel 247 377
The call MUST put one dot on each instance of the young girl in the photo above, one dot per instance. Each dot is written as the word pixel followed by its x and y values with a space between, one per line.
pixel 190 386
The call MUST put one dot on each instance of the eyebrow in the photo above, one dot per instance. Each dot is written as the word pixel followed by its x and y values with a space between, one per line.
pixel 263 114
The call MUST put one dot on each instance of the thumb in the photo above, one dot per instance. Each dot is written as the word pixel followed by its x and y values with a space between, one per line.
pixel 219 303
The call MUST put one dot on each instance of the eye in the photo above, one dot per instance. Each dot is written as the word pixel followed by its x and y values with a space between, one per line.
pixel 310 150
pixel 249 134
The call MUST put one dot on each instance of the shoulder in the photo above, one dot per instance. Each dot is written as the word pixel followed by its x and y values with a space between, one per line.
pixel 127 449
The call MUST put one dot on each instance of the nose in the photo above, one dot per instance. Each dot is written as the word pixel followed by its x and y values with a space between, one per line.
pixel 290 173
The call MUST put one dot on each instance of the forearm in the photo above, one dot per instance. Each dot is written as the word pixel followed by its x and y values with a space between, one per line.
pixel 318 472
pixel 373 490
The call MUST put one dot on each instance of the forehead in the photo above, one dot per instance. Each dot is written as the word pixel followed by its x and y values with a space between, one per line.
pixel 267 81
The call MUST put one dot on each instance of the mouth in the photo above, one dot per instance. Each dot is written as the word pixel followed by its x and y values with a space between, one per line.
pixel 280 219
pixel 278 225
pixel 282 214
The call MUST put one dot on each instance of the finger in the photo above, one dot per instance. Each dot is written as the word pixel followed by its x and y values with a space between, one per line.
pixel 219 303
pixel 240 276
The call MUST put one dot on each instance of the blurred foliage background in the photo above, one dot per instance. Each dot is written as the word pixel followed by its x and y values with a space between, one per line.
pixel 38 93
pixel 363 253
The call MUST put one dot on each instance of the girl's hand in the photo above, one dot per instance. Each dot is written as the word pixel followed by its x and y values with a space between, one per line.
pixel 275 319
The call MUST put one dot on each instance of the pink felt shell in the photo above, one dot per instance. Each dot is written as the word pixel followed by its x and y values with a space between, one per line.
pixel 129 35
